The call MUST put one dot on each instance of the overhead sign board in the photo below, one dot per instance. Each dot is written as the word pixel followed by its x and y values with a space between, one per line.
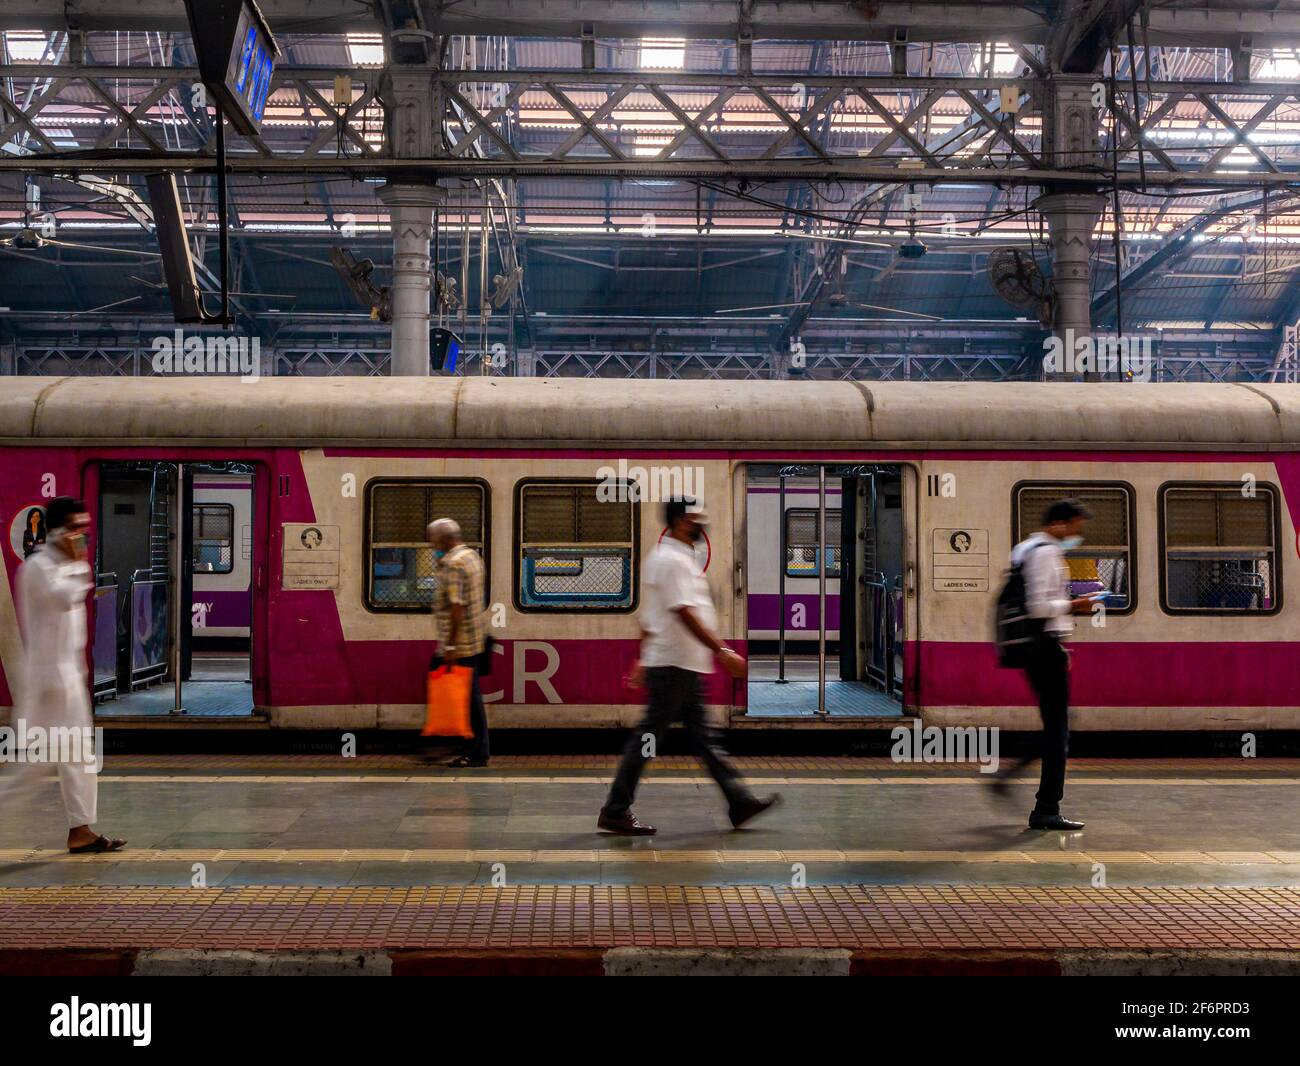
pixel 236 55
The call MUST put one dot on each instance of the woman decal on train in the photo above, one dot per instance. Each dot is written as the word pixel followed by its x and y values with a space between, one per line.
pixel 34 534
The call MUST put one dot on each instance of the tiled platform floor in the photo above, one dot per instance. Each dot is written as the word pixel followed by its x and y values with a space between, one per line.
pixel 548 916
pixel 387 821
pixel 317 852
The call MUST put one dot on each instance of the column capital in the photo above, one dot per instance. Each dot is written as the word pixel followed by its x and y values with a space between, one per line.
pixel 1071 138
pixel 408 193
pixel 1071 203
pixel 414 107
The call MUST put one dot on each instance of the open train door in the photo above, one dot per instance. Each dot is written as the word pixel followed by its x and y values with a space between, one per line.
pixel 873 573
pixel 179 553
pixel 825 570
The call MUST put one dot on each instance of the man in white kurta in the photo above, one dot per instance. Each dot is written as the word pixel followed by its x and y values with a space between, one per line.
pixel 54 693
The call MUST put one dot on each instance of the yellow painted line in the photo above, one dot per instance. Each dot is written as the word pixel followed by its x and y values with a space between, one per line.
pixel 665 779
pixel 634 852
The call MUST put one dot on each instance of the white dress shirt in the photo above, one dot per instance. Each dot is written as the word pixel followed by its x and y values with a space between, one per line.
pixel 1047 582
pixel 671 580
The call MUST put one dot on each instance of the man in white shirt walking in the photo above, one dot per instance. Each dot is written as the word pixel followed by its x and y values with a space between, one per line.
pixel 678 646
pixel 1041 558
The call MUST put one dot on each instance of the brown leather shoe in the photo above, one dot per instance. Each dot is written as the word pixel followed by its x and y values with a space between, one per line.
pixel 751 808
pixel 627 825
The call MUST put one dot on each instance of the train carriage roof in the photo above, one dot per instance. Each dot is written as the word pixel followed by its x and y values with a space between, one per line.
pixel 559 411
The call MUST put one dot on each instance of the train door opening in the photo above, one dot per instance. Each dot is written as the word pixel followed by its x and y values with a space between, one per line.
pixel 824 583
pixel 169 534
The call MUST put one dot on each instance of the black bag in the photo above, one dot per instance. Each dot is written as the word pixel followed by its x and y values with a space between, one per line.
pixel 1015 631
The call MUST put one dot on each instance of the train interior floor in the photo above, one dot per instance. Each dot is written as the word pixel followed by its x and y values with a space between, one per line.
pixel 218 687
pixel 317 851
pixel 790 690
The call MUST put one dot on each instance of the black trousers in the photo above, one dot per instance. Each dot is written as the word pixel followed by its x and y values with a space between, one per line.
pixel 1049 675
pixel 674 696
pixel 477 748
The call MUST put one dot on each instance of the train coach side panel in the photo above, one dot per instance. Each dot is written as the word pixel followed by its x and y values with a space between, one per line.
pixel 335 660
pixel 1144 670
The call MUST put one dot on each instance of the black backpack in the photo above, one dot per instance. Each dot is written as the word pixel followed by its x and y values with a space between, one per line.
pixel 1015 631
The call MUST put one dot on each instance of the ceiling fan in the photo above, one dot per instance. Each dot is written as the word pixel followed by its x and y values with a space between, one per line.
pixel 838 297
pixel 356 274
pixel 29 239
pixel 154 297
pixel 835 299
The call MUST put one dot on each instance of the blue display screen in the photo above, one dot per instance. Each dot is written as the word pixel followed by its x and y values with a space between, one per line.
pixel 251 80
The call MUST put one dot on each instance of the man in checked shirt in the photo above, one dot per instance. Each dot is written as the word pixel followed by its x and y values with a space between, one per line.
pixel 459 607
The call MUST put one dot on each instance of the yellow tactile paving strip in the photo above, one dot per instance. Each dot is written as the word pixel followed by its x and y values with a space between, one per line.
pixel 639 854
pixel 886 917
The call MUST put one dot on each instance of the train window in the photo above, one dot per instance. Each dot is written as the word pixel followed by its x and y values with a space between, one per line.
pixel 802 557
pixel 399 561
pixel 1104 563
pixel 212 545
pixel 575 550
pixel 1219 549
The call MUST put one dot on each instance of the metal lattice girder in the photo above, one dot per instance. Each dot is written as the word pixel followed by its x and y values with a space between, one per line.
pixel 653 123
pixel 331 362
pixel 1205 23
pixel 73 361
pixel 1192 128
pixel 726 119
pixel 325 360
pixel 730 366
pixel 1209 368
pixel 1286 364
pixel 139 107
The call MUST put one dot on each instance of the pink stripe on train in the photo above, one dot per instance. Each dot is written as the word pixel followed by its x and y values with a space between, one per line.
pixel 1118 674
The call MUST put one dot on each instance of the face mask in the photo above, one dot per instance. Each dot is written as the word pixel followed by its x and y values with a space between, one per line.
pixel 1072 541
pixel 697 534
pixel 438 553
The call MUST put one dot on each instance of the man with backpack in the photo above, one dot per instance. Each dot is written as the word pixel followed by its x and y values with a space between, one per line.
pixel 1033 622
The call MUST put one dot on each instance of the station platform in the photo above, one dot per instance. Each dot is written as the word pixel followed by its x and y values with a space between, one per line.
pixel 378 864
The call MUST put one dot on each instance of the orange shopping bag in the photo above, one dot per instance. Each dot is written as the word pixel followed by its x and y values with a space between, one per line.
pixel 448 702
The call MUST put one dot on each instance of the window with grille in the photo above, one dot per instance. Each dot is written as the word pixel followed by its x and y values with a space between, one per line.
pixel 1220 549
pixel 802 544
pixel 212 543
pixel 400 567
pixel 1104 562
pixel 576 550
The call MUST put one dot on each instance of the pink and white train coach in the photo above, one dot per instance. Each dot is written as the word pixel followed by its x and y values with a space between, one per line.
pixel 908 496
